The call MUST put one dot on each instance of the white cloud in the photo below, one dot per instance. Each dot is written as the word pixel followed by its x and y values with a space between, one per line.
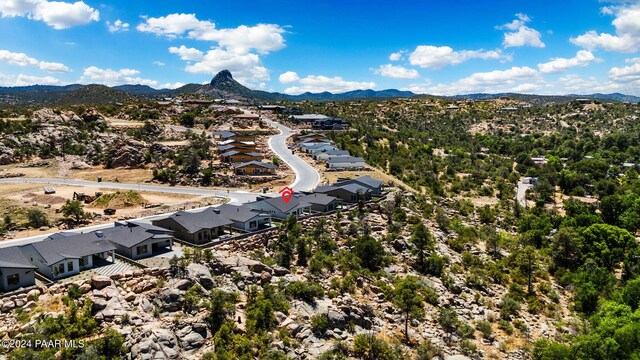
pixel 627 37
pixel 397 55
pixel 556 65
pixel 120 77
pixel 520 34
pixel 118 25
pixel 436 57
pixel 27 80
pixel 172 25
pixel 396 72
pixel 159 63
pixel 244 67
pixel 57 14
pixel 22 59
pixel 185 53
pixel 625 74
pixel 262 38
pixel 316 84
pixel 288 77
pixel 516 79
pixel 54 67
pixel 236 49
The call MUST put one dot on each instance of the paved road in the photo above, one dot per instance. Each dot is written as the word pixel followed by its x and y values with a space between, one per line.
pixel 521 194
pixel 307 177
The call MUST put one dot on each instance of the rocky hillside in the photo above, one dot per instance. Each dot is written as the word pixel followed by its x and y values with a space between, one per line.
pixel 350 285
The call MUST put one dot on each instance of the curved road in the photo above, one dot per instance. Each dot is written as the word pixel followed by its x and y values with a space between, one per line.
pixel 307 177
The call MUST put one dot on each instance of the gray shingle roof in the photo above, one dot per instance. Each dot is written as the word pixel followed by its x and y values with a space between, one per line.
pixel 238 213
pixel 12 257
pixel 230 153
pixel 283 206
pixel 54 250
pixel 195 221
pixel 257 163
pixel 318 198
pixel 225 134
pixel 365 180
pixel 344 159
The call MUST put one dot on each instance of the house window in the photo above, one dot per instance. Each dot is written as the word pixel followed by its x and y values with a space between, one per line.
pixel 59 269
pixel 84 261
pixel 70 266
pixel 253 224
pixel 199 236
pixel 13 280
pixel 142 249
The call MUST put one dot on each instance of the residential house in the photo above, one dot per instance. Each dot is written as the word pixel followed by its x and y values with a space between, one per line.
pixel 312 137
pixel 280 209
pixel 233 142
pixel 224 135
pixel 323 156
pixel 322 203
pixel 246 117
pixel 254 168
pixel 310 118
pixel 239 148
pixel 235 156
pixel 314 148
pixel 345 162
pixel 349 193
pixel 195 227
pixel 16 271
pixel 65 254
pixel 367 181
pixel 330 124
pixel 138 240
pixel 245 218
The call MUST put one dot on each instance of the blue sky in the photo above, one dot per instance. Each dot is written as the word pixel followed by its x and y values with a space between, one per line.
pixel 534 46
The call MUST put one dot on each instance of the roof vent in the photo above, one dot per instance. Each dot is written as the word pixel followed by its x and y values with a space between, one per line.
pixel 99 234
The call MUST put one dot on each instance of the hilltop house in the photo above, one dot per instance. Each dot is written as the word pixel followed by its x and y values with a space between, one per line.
pixel 138 240
pixel 254 168
pixel 323 156
pixel 314 148
pixel 310 118
pixel 65 254
pixel 345 162
pixel 312 137
pixel 367 181
pixel 234 156
pixel 321 203
pixel 245 218
pixel 246 117
pixel 239 148
pixel 195 227
pixel 349 193
pixel 16 271
pixel 280 209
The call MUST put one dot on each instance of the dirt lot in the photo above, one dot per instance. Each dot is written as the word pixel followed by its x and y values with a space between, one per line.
pixel 19 198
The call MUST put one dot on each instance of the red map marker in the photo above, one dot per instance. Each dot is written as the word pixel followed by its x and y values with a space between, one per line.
pixel 286 194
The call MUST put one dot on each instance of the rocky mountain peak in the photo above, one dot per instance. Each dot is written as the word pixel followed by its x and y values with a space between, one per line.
pixel 223 77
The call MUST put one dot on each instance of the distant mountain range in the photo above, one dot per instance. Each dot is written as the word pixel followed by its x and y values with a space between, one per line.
pixel 223 85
